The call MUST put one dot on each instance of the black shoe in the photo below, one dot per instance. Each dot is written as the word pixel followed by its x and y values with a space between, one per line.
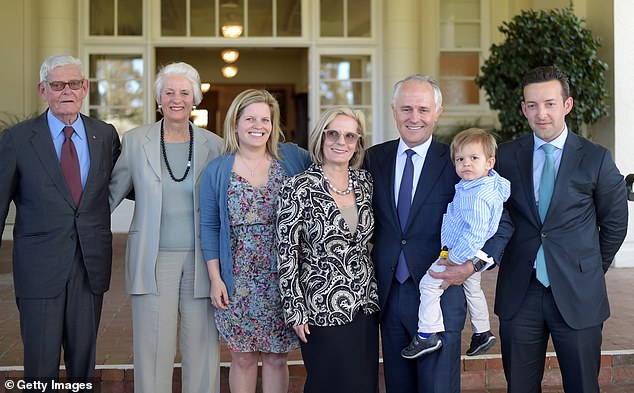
pixel 421 346
pixel 481 343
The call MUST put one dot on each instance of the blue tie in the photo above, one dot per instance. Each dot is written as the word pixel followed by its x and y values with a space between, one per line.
pixel 546 186
pixel 403 206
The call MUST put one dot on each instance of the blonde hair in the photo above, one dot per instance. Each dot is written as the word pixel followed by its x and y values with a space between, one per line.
pixel 242 100
pixel 474 135
pixel 316 140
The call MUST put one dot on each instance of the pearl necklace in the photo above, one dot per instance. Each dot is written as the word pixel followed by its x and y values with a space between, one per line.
pixel 347 191
pixel 189 158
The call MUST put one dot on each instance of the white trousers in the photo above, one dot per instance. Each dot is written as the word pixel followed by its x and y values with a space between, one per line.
pixel 430 318
pixel 155 323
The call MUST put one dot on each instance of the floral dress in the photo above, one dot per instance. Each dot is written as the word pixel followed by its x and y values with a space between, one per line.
pixel 254 321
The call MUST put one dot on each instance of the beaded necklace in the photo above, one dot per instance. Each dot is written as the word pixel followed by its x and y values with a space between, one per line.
pixel 189 158
pixel 348 189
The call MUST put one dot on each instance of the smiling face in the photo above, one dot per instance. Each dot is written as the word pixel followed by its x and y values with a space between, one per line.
pixel 254 125
pixel 65 104
pixel 471 162
pixel 340 151
pixel 177 98
pixel 546 109
pixel 415 112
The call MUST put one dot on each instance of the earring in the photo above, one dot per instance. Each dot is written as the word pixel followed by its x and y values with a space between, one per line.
pixel 193 106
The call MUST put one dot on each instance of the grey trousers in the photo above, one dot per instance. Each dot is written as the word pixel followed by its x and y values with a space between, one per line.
pixel 155 320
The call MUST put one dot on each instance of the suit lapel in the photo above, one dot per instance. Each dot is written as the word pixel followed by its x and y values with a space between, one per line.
pixel 201 152
pixel 570 161
pixel 45 150
pixel 388 161
pixel 152 148
pixel 525 155
pixel 432 168
pixel 95 150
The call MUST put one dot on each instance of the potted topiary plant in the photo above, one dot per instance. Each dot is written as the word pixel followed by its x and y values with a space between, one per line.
pixel 538 38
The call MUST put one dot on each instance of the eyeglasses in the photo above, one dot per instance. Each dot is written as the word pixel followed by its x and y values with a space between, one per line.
pixel 348 137
pixel 74 84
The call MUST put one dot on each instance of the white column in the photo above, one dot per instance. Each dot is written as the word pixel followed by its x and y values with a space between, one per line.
pixel 401 47
pixel 58 27
pixel 58 31
pixel 624 109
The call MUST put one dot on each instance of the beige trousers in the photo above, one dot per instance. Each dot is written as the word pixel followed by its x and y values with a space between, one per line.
pixel 155 320
pixel 430 319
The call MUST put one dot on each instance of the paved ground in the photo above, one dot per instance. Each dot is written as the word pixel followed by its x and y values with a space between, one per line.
pixel 115 335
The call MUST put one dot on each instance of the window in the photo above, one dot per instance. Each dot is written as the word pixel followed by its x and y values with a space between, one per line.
pixel 347 80
pixel 231 18
pixel 345 18
pixel 116 89
pixel 461 42
pixel 116 17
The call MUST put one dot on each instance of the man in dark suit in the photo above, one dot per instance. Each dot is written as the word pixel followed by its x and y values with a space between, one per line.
pixel 405 245
pixel 62 250
pixel 567 232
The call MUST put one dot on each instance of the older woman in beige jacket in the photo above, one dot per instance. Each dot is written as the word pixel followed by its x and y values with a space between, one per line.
pixel 164 268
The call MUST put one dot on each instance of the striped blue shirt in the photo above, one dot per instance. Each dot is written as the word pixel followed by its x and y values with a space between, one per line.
pixel 473 215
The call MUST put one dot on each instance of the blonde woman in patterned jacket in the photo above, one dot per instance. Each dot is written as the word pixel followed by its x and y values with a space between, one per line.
pixel 327 282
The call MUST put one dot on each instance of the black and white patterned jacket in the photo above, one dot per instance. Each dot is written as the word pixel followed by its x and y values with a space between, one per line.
pixel 326 274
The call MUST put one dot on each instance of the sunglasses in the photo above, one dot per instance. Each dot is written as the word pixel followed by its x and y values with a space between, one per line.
pixel 74 84
pixel 348 137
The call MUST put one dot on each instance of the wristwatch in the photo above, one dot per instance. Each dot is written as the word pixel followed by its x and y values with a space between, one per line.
pixel 478 264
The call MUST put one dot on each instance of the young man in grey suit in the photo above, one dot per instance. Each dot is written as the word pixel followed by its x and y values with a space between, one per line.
pixel 568 205
pixel 62 243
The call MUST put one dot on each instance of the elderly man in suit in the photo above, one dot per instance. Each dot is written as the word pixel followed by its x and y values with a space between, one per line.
pixel 56 169
pixel 414 181
pixel 568 205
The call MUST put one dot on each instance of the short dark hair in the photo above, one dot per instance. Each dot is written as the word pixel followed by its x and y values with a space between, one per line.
pixel 546 74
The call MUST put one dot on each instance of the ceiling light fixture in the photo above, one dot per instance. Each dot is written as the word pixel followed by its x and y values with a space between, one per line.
pixel 229 71
pixel 229 55
pixel 231 30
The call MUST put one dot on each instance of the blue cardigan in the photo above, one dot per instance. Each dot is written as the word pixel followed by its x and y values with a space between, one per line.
pixel 214 216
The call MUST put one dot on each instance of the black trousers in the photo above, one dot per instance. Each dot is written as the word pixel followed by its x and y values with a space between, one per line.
pixel 524 340
pixel 70 321
pixel 343 359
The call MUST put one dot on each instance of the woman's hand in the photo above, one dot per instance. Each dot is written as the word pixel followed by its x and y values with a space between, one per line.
pixel 218 294
pixel 302 332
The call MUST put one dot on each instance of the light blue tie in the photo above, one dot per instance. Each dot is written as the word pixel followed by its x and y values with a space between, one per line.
pixel 546 186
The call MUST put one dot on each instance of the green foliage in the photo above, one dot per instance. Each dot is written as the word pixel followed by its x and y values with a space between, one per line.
pixel 8 120
pixel 539 38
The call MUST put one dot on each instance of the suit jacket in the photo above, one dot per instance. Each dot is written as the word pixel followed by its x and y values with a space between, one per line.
pixel 139 168
pixel 326 275
pixel 585 225
pixel 48 225
pixel 420 240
